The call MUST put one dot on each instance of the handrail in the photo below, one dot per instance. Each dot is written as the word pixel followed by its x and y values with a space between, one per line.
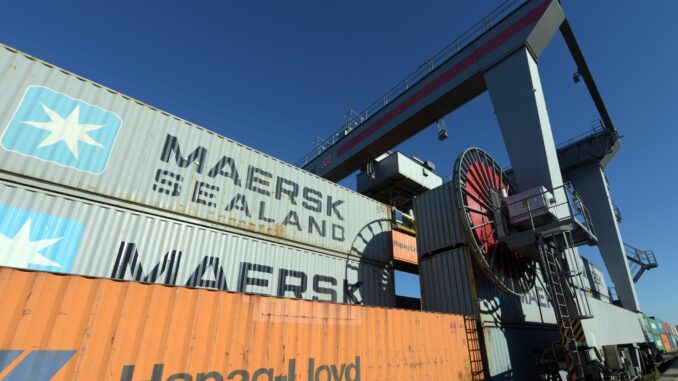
pixel 576 209
pixel 354 119
pixel 597 127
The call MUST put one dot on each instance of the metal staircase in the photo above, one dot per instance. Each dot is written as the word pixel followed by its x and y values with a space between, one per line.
pixel 640 260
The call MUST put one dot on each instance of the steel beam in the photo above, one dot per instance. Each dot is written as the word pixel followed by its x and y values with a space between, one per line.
pixel 444 89
pixel 515 89
pixel 592 188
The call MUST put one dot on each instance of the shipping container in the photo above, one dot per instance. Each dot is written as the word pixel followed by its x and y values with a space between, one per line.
pixel 44 230
pixel 642 319
pixel 594 281
pixel 673 341
pixel 63 327
pixel 665 341
pixel 512 352
pixel 404 247
pixel 498 308
pixel 652 325
pixel 667 328
pixel 451 282
pixel 659 343
pixel 133 153
pixel 446 282
pixel 438 225
pixel 660 325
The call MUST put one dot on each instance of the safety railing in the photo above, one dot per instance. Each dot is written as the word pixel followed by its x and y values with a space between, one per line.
pixel 355 119
pixel 597 127
pixel 554 204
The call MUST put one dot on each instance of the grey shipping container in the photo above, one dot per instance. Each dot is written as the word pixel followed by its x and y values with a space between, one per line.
pixel 512 352
pixel 595 281
pixel 438 225
pixel 452 283
pixel 66 130
pixel 43 230
pixel 498 308
pixel 446 281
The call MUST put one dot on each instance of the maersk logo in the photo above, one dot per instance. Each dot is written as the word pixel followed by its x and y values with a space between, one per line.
pixel 57 128
pixel 38 365
pixel 37 241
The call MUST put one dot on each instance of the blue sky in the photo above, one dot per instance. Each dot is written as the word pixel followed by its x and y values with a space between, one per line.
pixel 276 74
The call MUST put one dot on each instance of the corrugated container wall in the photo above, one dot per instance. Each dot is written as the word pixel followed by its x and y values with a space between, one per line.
pixel 673 341
pixel 498 308
pixel 652 325
pixel 133 153
pixel 451 280
pixel 659 343
pixel 511 352
pixel 447 283
pixel 665 341
pixel 75 328
pixel 595 281
pixel 57 233
pixel 438 225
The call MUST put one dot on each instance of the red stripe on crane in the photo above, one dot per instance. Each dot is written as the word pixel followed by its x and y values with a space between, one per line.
pixel 452 72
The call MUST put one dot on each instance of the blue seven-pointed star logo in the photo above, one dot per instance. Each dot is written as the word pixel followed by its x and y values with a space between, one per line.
pixel 59 129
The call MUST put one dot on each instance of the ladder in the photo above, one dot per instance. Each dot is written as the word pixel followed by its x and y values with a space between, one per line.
pixel 475 353
pixel 554 265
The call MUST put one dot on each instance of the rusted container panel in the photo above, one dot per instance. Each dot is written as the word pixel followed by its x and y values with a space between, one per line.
pixel 130 152
pixel 404 247
pixel 47 231
pixel 76 328
pixel 438 225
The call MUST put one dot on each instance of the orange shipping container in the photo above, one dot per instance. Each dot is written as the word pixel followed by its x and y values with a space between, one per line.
pixel 77 328
pixel 665 341
pixel 404 247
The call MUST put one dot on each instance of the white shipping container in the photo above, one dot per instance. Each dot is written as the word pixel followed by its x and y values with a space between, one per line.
pixel 66 130
pixel 43 230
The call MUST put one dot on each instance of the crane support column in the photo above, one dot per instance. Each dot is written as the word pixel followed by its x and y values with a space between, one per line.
pixel 518 99
pixel 591 186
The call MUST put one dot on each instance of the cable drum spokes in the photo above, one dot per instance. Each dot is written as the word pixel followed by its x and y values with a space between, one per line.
pixel 480 184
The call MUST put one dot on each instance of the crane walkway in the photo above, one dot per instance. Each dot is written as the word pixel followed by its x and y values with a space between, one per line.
pixel 440 85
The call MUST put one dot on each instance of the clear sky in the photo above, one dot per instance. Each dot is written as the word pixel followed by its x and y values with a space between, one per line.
pixel 276 74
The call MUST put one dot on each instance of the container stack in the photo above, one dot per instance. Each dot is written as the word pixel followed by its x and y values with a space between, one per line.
pixel 133 188
pixel 514 327
pixel 135 244
pixel 664 335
